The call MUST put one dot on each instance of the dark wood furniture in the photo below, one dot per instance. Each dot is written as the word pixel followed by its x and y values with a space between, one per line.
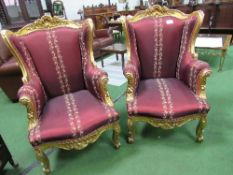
pixel 100 9
pixel 100 21
pixel 116 48
pixel 218 16
pixel 102 14
pixel 128 12
pixel 5 155
pixel 15 14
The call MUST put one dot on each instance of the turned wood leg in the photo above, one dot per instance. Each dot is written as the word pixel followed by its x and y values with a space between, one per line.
pixel 222 59
pixel 130 138
pixel 200 128
pixel 102 62
pixel 43 159
pixel 116 136
pixel 117 58
pixel 123 60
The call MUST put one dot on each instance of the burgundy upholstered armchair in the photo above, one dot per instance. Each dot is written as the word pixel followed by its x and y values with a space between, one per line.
pixel 65 93
pixel 166 82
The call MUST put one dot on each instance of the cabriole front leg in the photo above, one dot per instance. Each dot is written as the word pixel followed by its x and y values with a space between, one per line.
pixel 116 136
pixel 200 128
pixel 130 138
pixel 43 159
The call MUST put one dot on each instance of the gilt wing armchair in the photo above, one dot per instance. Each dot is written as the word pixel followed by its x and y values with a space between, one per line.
pixel 65 93
pixel 166 82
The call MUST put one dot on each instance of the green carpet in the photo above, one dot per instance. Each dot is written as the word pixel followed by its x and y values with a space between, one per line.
pixel 155 151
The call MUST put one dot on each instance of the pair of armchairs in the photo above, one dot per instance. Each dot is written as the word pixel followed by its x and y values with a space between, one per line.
pixel 65 93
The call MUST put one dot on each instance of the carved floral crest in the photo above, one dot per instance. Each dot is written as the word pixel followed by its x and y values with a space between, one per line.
pixel 157 11
pixel 47 22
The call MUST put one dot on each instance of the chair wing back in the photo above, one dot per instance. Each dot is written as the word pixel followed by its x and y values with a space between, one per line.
pixel 162 38
pixel 50 49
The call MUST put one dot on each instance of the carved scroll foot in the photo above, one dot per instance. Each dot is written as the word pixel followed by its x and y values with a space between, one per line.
pixel 116 136
pixel 200 129
pixel 43 159
pixel 130 138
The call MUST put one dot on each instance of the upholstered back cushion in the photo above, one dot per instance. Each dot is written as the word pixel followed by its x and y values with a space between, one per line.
pixel 158 41
pixel 54 56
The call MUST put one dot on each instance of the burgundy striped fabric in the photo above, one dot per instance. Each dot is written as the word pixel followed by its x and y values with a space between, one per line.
pixel 52 56
pixel 54 125
pixel 190 69
pixel 166 98
pixel 63 83
pixel 159 43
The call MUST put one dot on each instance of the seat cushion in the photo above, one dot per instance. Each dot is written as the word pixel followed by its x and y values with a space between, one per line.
pixel 166 99
pixel 71 116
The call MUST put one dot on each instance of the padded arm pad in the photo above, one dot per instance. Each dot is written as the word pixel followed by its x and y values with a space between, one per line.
pixel 93 78
pixel 35 92
pixel 193 71
pixel 10 68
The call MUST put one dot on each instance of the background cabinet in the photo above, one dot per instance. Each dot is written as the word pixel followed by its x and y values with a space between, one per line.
pixel 218 16
pixel 16 13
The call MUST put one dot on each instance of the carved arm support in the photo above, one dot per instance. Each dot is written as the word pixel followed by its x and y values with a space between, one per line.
pixel 32 96
pixel 132 74
pixel 201 82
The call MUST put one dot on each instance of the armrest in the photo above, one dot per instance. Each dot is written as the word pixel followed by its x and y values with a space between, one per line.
pixel 132 74
pixel 96 82
pixel 103 33
pixel 194 73
pixel 10 68
pixel 32 95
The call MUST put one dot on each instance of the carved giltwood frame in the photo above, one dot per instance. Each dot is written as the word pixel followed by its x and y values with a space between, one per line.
pixel 47 22
pixel 162 11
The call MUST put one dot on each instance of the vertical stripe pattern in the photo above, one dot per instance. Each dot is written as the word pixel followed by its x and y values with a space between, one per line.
pixel 158 47
pixel 108 110
pixel 166 98
pixel 71 104
pixel 84 56
pixel 183 47
pixel 155 48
